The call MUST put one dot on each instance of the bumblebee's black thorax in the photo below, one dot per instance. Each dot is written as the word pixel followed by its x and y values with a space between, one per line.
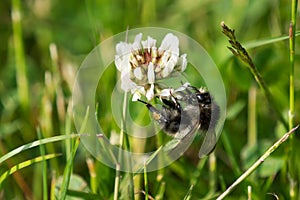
pixel 190 107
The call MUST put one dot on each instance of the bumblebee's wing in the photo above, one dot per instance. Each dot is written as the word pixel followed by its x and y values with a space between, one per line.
pixel 186 133
pixel 182 140
pixel 208 144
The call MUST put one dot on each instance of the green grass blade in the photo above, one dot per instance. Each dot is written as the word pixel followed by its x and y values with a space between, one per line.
pixel 68 171
pixel 44 165
pixel 257 163
pixel 262 42
pixel 196 174
pixel 25 164
pixel 21 68
pixel 85 120
pixel 34 144
pixel 153 155
pixel 146 182
pixel 188 195
pixel 161 191
pixel 292 44
pixel 93 175
pixel 53 186
pixel 230 154
pixel 69 166
pixel 83 195
pixel 68 124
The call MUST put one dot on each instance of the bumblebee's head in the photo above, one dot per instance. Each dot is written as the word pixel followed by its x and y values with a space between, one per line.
pixel 203 97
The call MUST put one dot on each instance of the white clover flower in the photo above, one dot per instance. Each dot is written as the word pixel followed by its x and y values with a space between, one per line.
pixel 141 64
pixel 171 92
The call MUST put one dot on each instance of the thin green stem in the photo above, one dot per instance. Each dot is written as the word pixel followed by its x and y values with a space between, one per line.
pixel 266 41
pixel 124 141
pixel 197 173
pixel 161 172
pixel 22 81
pixel 212 172
pixel 252 135
pixel 121 143
pixel 44 166
pixel 34 144
pixel 146 182
pixel 257 163
pixel 195 177
pixel 292 32
pixel 117 182
pixel 68 171
pixel 93 175
pixel 292 36
pixel 240 52
pixel 161 191
pixel 249 192
pixel 228 148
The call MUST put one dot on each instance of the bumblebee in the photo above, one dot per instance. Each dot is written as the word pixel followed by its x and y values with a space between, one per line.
pixel 185 111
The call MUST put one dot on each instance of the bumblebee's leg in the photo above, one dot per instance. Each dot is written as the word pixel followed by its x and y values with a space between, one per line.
pixel 156 114
pixel 193 88
pixel 168 118
pixel 172 104
pixel 173 110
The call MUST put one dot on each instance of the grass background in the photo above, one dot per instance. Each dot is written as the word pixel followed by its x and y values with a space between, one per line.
pixel 35 96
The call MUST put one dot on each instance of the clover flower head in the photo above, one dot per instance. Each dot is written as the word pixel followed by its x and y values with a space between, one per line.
pixel 141 64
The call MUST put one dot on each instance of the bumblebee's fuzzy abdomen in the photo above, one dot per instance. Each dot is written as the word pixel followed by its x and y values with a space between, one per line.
pixel 171 126
pixel 207 118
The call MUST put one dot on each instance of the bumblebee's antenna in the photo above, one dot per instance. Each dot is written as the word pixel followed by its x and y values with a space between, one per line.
pixel 144 102
pixel 149 106
pixel 156 114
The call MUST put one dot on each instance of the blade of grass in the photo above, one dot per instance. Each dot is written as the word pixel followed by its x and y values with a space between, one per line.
pixel 257 163
pixel 124 141
pixel 292 32
pixel 21 68
pixel 68 171
pixel 53 184
pixel 252 134
pixel 212 172
pixel 161 172
pixel 69 166
pixel 262 42
pixel 34 144
pixel 118 172
pixel 84 195
pixel 161 191
pixel 25 164
pixel 18 177
pixel 146 181
pixel 93 175
pixel 68 125
pixel 240 52
pixel 148 161
pixel 230 154
pixel 128 177
pixel 195 177
pixel 249 192
pixel 44 166
pixel 188 196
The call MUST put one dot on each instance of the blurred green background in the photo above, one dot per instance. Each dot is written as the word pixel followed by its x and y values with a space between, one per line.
pixel 41 54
